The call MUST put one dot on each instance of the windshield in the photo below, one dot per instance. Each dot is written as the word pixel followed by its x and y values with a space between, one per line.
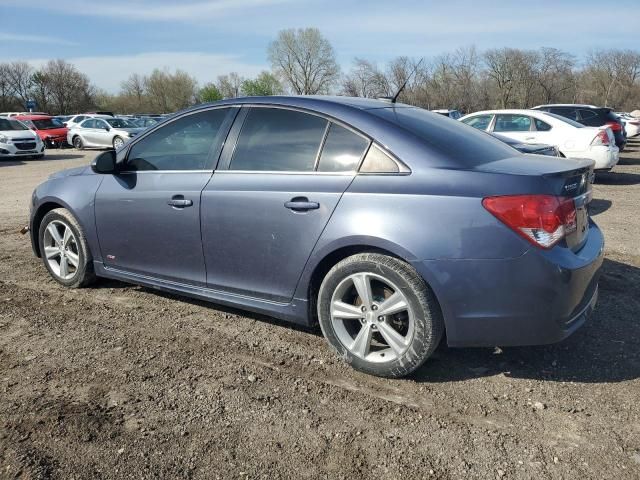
pixel 6 125
pixel 565 119
pixel 47 123
pixel 119 123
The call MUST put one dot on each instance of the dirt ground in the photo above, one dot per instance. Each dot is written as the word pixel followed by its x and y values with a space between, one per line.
pixel 119 381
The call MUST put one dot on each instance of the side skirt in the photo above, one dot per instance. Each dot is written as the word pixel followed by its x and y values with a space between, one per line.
pixel 296 311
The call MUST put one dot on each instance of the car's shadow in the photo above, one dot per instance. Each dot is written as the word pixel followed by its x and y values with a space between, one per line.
pixel 598 206
pixel 605 350
pixel 617 178
pixel 47 158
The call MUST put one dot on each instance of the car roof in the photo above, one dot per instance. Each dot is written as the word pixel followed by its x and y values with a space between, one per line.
pixel 33 117
pixel 525 111
pixel 577 105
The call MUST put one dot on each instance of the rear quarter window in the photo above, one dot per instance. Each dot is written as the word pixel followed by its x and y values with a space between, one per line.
pixel 464 145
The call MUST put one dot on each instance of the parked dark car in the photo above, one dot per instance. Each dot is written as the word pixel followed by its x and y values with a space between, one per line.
pixel 531 148
pixel 387 224
pixel 591 116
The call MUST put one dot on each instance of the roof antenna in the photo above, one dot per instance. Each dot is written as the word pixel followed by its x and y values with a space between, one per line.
pixel 395 97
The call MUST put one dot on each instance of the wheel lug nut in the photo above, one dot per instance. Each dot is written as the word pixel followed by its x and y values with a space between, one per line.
pixel 374 307
pixel 364 309
pixel 380 318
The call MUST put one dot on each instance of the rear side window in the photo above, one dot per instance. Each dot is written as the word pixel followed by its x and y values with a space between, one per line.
pixel 512 123
pixel 342 150
pixel 568 112
pixel 88 124
pixel 377 161
pixel 590 118
pixel 481 122
pixel 465 146
pixel 274 139
pixel 184 144
pixel 542 126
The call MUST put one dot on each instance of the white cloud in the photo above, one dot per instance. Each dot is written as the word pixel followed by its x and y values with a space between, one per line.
pixel 17 37
pixel 153 10
pixel 108 72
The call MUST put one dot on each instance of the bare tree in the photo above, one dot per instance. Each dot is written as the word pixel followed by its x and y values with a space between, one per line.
pixel 68 89
pixel 230 86
pixel 7 98
pixel 365 80
pixel 20 75
pixel 305 60
pixel 555 74
pixel 168 92
pixel 133 87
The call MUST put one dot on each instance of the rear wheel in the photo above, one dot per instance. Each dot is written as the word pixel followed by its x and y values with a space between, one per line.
pixel 379 314
pixel 77 143
pixel 64 249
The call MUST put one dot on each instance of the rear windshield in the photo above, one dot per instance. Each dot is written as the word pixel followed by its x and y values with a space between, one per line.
pixel 565 119
pixel 47 123
pixel 464 144
pixel 6 124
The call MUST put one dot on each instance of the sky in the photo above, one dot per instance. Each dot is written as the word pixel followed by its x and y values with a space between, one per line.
pixel 110 39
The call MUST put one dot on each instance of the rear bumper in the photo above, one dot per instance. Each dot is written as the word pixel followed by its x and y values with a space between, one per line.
pixel 605 157
pixel 538 298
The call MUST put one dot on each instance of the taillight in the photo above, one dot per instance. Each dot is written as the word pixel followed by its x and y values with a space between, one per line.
pixel 615 126
pixel 601 139
pixel 543 220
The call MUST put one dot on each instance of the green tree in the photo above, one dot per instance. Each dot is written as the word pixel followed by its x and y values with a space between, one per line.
pixel 210 93
pixel 264 84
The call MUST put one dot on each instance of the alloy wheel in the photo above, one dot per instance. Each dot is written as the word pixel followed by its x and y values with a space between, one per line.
pixel 61 250
pixel 117 143
pixel 372 318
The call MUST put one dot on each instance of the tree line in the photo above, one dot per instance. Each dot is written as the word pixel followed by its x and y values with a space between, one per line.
pixel 303 62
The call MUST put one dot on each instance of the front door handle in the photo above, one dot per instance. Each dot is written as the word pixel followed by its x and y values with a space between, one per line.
pixel 301 204
pixel 178 201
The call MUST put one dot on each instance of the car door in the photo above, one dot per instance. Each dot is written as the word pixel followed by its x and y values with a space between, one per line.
pixel 86 131
pixel 102 133
pixel 515 126
pixel 148 215
pixel 265 208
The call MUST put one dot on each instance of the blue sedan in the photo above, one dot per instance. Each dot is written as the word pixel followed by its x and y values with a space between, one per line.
pixel 386 224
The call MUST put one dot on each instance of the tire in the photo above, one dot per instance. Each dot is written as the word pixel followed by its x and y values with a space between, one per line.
pixel 420 324
pixel 78 144
pixel 77 249
pixel 118 142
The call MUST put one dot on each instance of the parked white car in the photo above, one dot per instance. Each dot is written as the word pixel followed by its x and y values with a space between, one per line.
pixel 109 132
pixel 631 124
pixel 18 140
pixel 571 138
pixel 77 119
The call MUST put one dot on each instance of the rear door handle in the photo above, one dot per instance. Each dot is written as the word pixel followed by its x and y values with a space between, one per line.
pixel 301 204
pixel 178 201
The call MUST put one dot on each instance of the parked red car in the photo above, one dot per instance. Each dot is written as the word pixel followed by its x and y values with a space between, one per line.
pixel 51 130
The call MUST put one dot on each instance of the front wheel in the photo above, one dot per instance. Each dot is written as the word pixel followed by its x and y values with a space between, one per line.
pixel 64 249
pixel 117 143
pixel 379 314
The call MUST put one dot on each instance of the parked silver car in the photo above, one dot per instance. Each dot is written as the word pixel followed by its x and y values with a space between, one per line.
pixel 102 132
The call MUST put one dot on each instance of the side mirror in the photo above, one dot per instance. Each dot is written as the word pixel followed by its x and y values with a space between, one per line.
pixel 105 162
pixel 107 128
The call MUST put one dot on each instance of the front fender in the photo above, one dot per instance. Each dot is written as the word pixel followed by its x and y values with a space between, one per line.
pixel 76 194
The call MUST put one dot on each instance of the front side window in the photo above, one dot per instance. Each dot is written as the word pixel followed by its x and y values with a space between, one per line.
pixel 481 122
pixel 277 140
pixel 101 124
pixel 342 150
pixel 184 144
pixel 512 123
pixel 119 123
